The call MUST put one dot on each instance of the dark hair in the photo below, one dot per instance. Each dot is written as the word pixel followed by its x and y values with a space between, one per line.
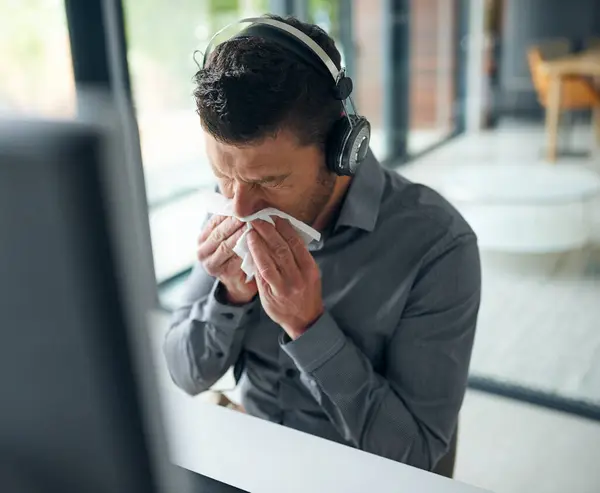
pixel 251 88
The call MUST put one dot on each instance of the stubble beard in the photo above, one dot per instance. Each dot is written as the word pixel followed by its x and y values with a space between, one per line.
pixel 319 197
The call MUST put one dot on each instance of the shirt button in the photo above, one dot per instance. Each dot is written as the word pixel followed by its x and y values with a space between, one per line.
pixel 313 383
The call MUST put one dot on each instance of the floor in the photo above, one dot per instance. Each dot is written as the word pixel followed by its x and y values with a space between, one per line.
pixel 510 447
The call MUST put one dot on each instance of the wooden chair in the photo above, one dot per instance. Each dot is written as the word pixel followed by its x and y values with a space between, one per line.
pixel 577 92
pixel 555 48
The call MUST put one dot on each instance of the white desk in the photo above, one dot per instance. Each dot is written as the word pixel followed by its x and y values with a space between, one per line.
pixel 261 457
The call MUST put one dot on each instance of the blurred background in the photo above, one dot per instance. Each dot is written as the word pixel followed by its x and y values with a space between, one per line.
pixel 495 103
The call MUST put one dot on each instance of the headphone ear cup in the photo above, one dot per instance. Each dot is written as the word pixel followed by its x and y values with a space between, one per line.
pixel 348 144
pixel 356 144
pixel 335 146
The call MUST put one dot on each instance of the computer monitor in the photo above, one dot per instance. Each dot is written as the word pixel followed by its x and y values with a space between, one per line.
pixel 78 408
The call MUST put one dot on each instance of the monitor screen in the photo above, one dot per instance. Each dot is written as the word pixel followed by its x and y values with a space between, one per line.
pixel 74 416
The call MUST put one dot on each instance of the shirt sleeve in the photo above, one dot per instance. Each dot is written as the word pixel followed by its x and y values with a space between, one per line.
pixel 205 337
pixel 409 412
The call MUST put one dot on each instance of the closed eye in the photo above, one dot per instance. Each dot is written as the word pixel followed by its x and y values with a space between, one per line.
pixel 274 183
pixel 267 181
pixel 271 181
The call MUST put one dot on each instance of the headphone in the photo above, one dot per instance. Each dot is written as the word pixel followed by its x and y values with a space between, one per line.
pixel 348 139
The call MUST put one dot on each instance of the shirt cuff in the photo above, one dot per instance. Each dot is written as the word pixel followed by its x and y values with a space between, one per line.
pixel 223 315
pixel 321 342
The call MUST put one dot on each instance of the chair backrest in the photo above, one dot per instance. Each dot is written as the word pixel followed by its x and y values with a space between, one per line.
pixel 534 58
pixel 554 48
pixel 540 53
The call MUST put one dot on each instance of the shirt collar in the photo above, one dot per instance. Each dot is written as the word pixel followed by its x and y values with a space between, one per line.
pixel 363 200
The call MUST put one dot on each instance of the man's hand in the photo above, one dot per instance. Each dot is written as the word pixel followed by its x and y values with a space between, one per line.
pixel 288 279
pixel 215 252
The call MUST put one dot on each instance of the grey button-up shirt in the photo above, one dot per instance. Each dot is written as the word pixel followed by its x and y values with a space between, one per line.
pixel 385 368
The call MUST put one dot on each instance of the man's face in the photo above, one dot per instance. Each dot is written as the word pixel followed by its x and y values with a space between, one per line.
pixel 277 172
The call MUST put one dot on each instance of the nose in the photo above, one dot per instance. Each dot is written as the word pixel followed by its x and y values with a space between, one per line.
pixel 245 202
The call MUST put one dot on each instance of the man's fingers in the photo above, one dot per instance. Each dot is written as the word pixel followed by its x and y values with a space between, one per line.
pixel 222 266
pixel 218 235
pixel 264 261
pixel 211 224
pixel 296 244
pixel 276 244
pixel 224 251
pixel 267 231
pixel 264 290
pixel 226 247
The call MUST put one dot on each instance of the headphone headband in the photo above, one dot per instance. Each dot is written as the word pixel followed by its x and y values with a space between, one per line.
pixel 336 73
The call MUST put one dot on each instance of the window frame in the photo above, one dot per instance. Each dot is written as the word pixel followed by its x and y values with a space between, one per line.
pixel 99 57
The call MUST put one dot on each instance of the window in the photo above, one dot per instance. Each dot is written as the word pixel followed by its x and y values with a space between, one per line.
pixel 363 42
pixel 161 45
pixel 369 80
pixel 326 15
pixel 37 74
pixel 161 42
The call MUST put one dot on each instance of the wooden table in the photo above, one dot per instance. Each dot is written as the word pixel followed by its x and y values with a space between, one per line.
pixel 587 64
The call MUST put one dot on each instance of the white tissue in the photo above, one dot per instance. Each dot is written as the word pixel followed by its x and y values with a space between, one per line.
pixel 222 206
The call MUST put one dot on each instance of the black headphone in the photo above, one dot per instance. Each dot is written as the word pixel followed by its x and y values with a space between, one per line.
pixel 348 140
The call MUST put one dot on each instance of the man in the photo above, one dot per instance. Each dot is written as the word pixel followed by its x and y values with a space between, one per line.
pixel 363 338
